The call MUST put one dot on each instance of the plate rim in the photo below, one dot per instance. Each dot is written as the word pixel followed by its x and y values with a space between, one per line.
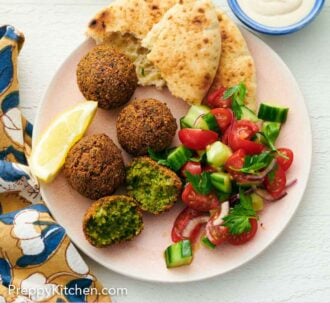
pixel 199 278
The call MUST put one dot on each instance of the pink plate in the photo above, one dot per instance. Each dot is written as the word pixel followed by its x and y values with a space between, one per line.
pixel 143 258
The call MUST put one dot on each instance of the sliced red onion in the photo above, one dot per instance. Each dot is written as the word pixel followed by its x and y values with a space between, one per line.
pixel 193 223
pixel 291 183
pixel 261 175
pixel 218 221
pixel 233 199
pixel 268 197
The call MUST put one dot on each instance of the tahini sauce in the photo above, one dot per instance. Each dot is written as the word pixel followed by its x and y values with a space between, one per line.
pixel 277 13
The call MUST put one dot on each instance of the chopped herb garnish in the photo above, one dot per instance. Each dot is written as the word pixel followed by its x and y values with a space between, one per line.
pixel 270 144
pixel 237 93
pixel 200 182
pixel 255 163
pixel 159 157
pixel 268 141
pixel 142 72
pixel 238 219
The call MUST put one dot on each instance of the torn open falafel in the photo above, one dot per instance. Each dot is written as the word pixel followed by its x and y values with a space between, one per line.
pixel 155 187
pixel 111 220
pixel 94 166
pixel 143 124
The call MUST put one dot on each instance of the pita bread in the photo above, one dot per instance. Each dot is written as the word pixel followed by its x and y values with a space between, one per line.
pixel 185 47
pixel 123 24
pixel 236 63
pixel 135 17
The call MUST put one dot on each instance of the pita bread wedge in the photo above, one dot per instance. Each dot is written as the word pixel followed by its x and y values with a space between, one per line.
pixel 135 17
pixel 185 47
pixel 236 63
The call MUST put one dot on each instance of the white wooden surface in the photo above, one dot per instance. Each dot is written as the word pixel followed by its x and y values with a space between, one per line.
pixel 297 266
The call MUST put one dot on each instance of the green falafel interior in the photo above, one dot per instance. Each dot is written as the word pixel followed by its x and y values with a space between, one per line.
pixel 154 187
pixel 112 220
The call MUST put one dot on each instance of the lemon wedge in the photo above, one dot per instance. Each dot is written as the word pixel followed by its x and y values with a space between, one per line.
pixel 50 150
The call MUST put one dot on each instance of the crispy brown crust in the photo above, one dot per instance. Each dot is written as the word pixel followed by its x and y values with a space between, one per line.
pixel 143 124
pixel 166 171
pixel 101 202
pixel 94 166
pixel 106 76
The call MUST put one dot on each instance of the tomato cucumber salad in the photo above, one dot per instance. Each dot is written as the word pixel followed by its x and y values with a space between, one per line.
pixel 230 164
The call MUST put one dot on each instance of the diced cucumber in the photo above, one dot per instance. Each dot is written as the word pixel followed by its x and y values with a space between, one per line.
pixel 192 115
pixel 257 202
pixel 199 116
pixel 179 254
pixel 207 122
pixel 178 157
pixel 248 114
pixel 275 113
pixel 206 242
pixel 221 181
pixel 217 154
pixel 271 130
pixel 183 123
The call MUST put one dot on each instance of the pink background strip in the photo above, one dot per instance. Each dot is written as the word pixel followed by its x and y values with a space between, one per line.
pixel 166 316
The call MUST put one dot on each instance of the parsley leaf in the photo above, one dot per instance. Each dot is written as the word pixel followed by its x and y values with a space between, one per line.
pixel 238 219
pixel 201 183
pixel 254 163
pixel 237 93
pixel 268 141
pixel 159 157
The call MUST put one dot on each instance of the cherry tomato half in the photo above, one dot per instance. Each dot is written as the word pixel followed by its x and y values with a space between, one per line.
pixel 217 234
pixel 224 117
pixel 234 163
pixel 236 160
pixel 216 100
pixel 275 181
pixel 198 202
pixel 197 139
pixel 244 237
pixel 286 161
pixel 225 136
pixel 181 223
pixel 191 167
pixel 239 137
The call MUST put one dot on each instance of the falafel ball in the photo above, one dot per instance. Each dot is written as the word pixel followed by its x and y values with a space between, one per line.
pixel 94 166
pixel 143 124
pixel 155 187
pixel 106 76
pixel 111 220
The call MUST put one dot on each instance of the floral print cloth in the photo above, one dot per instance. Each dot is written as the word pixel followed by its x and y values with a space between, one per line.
pixel 38 263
